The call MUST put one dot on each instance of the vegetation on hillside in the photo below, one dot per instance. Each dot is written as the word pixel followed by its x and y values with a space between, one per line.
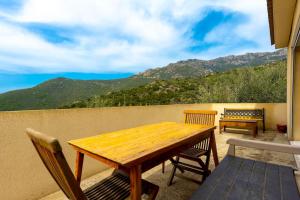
pixel 263 84
pixel 58 92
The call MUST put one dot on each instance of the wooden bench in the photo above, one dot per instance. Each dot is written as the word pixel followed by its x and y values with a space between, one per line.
pixel 242 118
pixel 240 178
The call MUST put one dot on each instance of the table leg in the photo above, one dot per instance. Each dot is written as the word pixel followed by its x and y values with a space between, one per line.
pixel 214 149
pixel 78 167
pixel 135 183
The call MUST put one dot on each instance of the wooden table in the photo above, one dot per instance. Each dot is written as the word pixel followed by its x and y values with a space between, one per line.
pixel 139 149
pixel 235 123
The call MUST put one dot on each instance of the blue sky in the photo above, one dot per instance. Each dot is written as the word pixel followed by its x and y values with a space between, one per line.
pixel 117 36
pixel 10 82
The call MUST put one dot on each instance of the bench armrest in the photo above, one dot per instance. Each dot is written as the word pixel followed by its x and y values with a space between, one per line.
pixel 284 148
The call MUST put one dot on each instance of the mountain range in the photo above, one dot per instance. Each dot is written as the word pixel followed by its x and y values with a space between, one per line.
pixel 196 68
pixel 59 92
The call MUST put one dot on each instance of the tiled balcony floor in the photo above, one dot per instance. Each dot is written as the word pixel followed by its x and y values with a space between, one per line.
pixel 183 188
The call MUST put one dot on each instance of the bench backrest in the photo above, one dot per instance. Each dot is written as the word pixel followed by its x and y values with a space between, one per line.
pixel 203 117
pixel 230 113
pixel 53 158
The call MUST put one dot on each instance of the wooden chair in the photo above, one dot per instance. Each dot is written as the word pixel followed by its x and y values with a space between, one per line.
pixel 199 150
pixel 116 186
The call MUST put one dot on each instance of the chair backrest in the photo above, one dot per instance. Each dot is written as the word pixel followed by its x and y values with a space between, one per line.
pixel 53 158
pixel 203 117
pixel 204 144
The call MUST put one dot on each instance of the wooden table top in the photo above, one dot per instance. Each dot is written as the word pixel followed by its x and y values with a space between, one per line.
pixel 126 146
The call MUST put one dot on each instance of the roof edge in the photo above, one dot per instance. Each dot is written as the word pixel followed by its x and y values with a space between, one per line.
pixel 271 21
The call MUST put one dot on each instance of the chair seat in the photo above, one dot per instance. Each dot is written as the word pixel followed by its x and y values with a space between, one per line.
pixel 116 187
pixel 193 152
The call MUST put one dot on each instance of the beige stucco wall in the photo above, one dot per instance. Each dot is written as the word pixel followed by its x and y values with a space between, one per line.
pixel 289 92
pixel 296 97
pixel 293 77
pixel 22 175
pixel 283 19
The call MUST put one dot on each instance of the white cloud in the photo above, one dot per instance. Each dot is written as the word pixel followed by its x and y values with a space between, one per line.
pixel 255 29
pixel 121 35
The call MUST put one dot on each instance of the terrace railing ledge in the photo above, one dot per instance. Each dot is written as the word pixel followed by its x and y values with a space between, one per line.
pixel 283 148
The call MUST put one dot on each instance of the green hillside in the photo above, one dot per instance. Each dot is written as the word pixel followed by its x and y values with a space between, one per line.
pixel 58 92
pixel 265 83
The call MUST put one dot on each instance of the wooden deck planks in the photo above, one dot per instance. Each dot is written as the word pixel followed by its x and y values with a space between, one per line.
pixel 224 186
pixel 256 181
pixel 209 185
pixel 238 178
pixel 289 188
pixel 272 183
pixel 242 180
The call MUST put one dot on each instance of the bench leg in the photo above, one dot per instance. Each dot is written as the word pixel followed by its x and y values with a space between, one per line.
pixel 255 131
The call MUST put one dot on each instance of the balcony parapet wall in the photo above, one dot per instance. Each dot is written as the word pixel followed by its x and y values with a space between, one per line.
pixel 24 177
